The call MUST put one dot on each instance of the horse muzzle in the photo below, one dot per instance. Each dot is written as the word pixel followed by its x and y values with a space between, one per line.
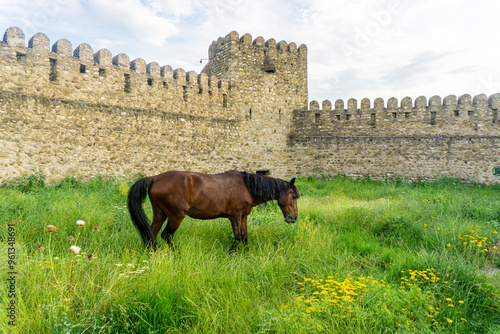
pixel 291 219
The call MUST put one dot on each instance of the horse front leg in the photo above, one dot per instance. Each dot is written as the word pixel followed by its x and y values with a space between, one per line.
pixel 236 225
pixel 239 226
pixel 244 236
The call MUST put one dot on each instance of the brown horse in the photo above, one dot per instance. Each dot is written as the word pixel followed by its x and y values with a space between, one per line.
pixel 232 195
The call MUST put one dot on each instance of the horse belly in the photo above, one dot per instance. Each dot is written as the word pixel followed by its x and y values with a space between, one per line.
pixel 204 214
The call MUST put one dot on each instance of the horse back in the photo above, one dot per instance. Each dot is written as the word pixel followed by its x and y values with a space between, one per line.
pixel 202 196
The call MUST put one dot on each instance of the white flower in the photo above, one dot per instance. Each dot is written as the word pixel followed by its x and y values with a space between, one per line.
pixel 80 222
pixel 51 228
pixel 75 249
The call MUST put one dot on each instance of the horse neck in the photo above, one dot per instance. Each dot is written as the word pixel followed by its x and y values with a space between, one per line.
pixel 261 201
pixel 276 194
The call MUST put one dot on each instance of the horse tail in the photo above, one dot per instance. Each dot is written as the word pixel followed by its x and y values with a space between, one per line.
pixel 136 196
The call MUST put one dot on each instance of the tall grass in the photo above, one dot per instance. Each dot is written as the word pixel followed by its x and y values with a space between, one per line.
pixel 366 256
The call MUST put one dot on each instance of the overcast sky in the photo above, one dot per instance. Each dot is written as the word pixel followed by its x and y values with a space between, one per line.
pixel 356 48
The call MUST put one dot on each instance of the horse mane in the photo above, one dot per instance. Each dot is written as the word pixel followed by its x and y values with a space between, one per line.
pixel 264 188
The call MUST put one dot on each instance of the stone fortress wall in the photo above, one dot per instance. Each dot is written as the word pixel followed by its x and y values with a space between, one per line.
pixel 84 113
pixel 448 137
pixel 77 112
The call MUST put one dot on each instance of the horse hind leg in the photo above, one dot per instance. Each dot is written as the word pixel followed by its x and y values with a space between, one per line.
pixel 158 219
pixel 173 223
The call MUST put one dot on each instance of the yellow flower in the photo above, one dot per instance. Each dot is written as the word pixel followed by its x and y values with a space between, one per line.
pixel 124 188
pixel 461 301
pixel 451 305
pixel 448 299
pixel 449 320
pixel 449 245
pixel 463 319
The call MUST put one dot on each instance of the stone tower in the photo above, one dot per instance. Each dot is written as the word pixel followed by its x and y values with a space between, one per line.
pixel 267 83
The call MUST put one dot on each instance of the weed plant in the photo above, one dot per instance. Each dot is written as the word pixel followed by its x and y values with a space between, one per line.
pixel 365 256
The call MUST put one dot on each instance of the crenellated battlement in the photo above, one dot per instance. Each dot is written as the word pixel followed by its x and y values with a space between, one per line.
pixel 465 101
pixel 270 65
pixel 234 40
pixel 465 115
pixel 59 71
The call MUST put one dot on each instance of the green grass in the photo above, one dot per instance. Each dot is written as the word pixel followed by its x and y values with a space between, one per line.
pixel 366 256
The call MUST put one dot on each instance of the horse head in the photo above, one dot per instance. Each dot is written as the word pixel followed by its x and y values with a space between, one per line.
pixel 288 203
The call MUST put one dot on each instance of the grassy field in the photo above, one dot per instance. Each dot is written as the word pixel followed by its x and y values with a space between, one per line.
pixel 364 257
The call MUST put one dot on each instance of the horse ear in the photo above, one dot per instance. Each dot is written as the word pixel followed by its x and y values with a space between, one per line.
pixel 292 182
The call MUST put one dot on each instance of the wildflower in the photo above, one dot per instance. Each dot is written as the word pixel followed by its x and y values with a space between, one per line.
pixel 56 258
pixel 448 299
pixel 96 228
pixel 71 237
pixel 463 319
pixel 90 256
pixel 124 188
pixel 449 320
pixel 40 247
pixel 80 223
pixel 75 249
pixel 460 301
pixel 51 228
pixel 449 245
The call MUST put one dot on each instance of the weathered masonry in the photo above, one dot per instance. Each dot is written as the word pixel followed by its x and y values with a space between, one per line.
pixel 80 112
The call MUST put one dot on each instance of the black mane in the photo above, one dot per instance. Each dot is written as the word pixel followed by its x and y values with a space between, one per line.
pixel 265 188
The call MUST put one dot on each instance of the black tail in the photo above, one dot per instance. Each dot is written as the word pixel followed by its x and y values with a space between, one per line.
pixel 136 196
